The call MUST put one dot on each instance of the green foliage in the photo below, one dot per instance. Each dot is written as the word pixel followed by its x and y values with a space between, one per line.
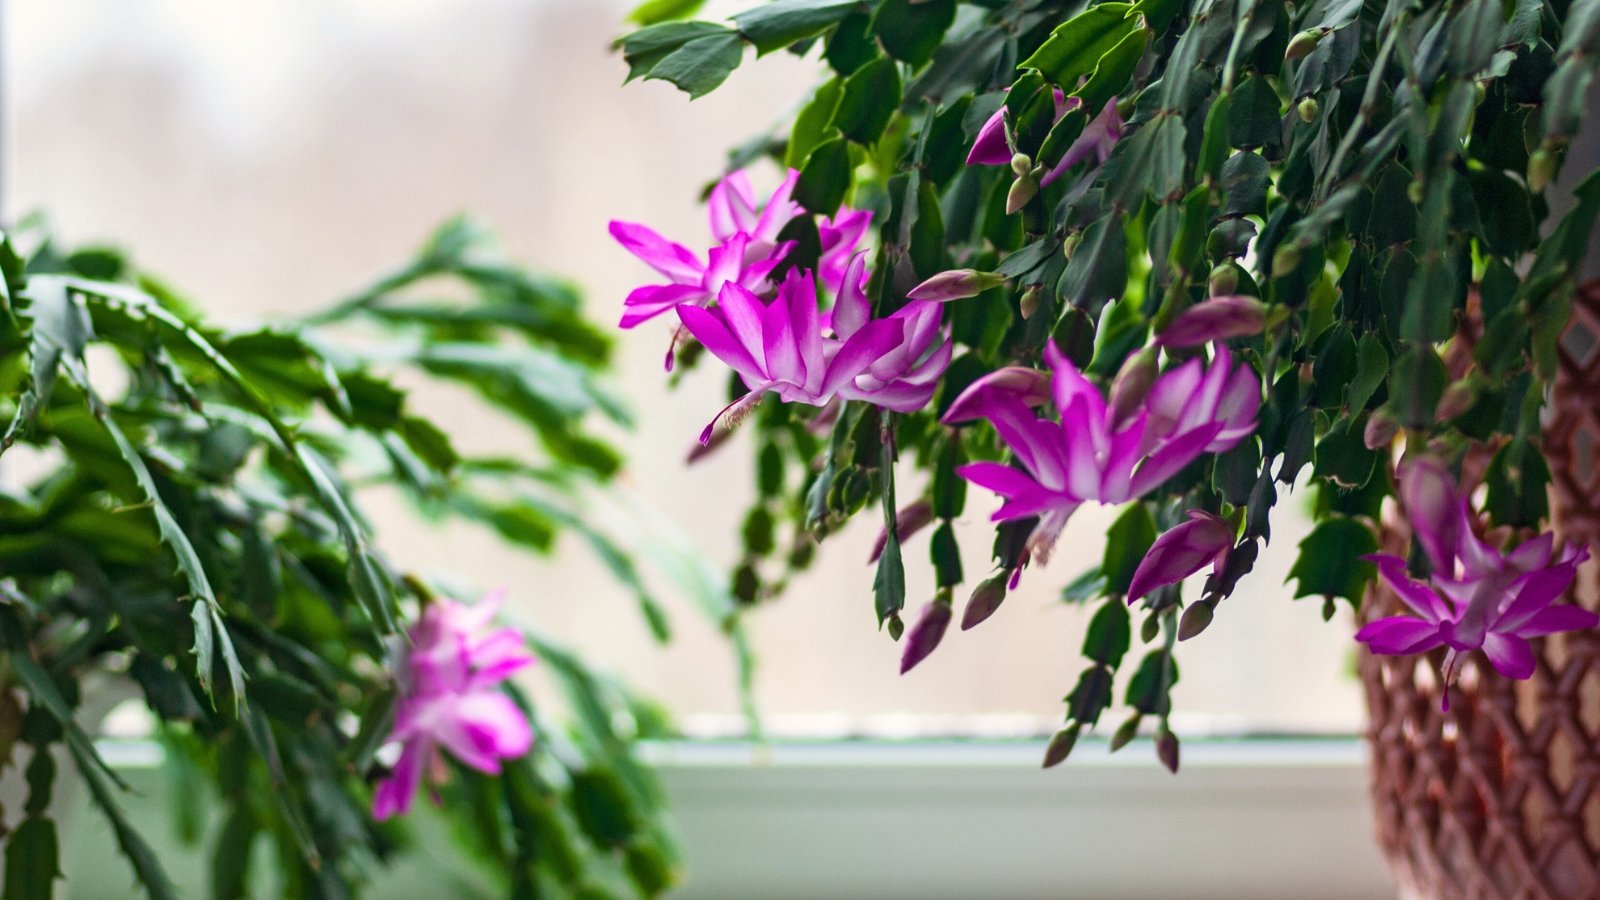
pixel 199 530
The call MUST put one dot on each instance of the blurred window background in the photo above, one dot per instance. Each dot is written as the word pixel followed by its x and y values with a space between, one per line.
pixel 268 156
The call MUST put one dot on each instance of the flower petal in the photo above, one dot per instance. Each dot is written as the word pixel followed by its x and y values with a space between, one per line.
pixel 990 148
pixel 670 259
pixel 1400 635
pixel 1170 458
pixel 1554 619
pixel 1511 655
pixel 645 303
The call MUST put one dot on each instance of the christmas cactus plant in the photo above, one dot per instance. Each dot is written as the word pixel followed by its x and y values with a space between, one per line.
pixel 1181 256
pixel 182 515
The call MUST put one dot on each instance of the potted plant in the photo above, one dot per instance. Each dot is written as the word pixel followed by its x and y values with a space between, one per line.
pixel 183 513
pixel 1183 257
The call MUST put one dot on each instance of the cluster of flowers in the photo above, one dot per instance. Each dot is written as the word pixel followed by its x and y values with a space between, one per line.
pixel 450 698
pixel 776 336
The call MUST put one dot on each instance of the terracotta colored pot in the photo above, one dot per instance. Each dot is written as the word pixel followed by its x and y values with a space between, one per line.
pixel 1500 797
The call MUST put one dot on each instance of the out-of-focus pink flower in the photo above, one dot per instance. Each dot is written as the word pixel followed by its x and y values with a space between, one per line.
pixel 1030 387
pixel 841 238
pixel 786 347
pixel 450 698
pixel 1084 456
pixel 1099 136
pixel 1217 319
pixel 956 284
pixel 1182 551
pixel 1479 597
pixel 1096 142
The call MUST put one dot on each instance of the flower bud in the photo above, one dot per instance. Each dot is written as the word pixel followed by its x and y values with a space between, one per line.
pixel 984 601
pixel 1414 192
pixel 1458 398
pixel 1308 109
pixel 1021 164
pixel 1061 745
pixel 1022 190
pixel 1071 244
pixel 896 626
pixel 1182 551
pixel 1303 43
pixel 1028 303
pixel 956 284
pixel 1217 319
pixel 1541 168
pixel 1167 749
pixel 1380 431
pixel 927 633
pixel 1125 733
pixel 1196 618
pixel 1224 280
pixel 1132 383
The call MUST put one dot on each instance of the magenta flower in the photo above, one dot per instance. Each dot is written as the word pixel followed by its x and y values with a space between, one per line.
pixel 1096 141
pixel 1217 319
pixel 1479 598
pixel 734 211
pixel 689 280
pixel 1086 456
pixel 450 699
pixel 786 346
pixel 990 147
pixel 1182 551
pixel 746 253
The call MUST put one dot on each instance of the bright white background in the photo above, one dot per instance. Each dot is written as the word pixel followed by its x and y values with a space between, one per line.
pixel 268 156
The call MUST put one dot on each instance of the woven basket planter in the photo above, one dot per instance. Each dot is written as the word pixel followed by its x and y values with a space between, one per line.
pixel 1500 796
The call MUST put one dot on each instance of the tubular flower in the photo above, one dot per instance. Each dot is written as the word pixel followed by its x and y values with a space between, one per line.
pixel 786 347
pixel 450 698
pixel 1086 456
pixel 1477 597
pixel 746 253
pixel 1217 319
pixel 1183 551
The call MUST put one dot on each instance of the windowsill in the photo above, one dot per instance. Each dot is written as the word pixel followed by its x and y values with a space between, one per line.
pixel 1266 817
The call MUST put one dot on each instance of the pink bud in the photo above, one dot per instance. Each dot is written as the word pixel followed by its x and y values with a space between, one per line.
pixel 926 634
pixel 984 601
pixel 1216 319
pixel 1183 551
pixel 1030 386
pixel 1133 382
pixel 907 522
pixel 1433 506
pixel 1380 431
pixel 956 284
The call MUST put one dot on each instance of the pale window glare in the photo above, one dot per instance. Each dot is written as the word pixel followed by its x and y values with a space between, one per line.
pixel 268 156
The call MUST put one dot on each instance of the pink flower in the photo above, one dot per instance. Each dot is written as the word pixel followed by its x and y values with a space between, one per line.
pixel 1479 598
pixel 786 347
pixel 1217 319
pixel 746 253
pixel 450 699
pixel 925 635
pixel 990 147
pixel 1086 456
pixel 1183 551
pixel 1096 141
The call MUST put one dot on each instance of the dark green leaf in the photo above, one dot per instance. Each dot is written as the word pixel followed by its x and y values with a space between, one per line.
pixel 775 25
pixel 910 30
pixel 869 98
pixel 825 177
pixel 1109 634
pixel 700 65
pixel 1331 564
pixel 1075 46
pixel 1127 541
pixel 32 860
